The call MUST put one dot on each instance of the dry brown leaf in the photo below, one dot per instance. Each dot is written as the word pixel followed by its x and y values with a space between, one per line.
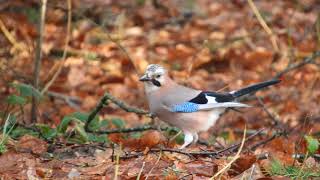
pixel 242 164
pixel 252 173
pixel 28 143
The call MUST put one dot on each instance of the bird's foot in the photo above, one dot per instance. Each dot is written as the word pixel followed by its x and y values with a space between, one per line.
pixel 188 138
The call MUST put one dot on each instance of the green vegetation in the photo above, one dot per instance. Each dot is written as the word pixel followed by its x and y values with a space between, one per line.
pixel 295 171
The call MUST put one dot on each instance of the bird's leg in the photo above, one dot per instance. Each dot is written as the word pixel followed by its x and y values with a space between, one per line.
pixel 188 138
pixel 195 138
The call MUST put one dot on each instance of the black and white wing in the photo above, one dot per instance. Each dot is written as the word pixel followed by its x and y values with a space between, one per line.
pixel 207 100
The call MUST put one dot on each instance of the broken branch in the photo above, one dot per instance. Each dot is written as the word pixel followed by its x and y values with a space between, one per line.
pixel 308 60
pixel 104 101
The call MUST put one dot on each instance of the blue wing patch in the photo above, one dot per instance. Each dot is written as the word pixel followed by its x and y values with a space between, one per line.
pixel 186 107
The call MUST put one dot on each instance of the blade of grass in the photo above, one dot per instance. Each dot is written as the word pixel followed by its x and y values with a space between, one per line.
pixel 65 50
pixel 264 25
pixel 116 168
pixel 141 170
pixel 225 168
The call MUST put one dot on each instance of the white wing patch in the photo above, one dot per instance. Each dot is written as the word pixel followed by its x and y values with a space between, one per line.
pixel 211 99
pixel 221 105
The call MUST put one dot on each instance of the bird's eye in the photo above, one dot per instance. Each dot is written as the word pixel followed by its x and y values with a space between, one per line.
pixel 158 76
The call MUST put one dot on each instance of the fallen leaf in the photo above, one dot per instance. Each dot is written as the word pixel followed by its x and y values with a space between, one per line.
pixel 73 174
pixel 32 144
pixel 242 164
pixel 252 173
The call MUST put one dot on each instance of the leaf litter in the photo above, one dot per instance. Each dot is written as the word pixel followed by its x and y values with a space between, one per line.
pixel 222 46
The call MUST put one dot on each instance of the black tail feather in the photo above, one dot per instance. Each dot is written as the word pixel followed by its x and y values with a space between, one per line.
pixel 254 88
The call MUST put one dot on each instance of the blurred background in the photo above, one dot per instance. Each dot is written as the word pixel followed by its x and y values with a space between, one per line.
pixel 105 45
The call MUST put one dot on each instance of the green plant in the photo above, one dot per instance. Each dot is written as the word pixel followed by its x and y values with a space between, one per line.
pixel 297 172
pixel 7 128
pixel 294 172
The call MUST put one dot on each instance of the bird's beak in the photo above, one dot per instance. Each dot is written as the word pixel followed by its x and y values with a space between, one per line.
pixel 144 78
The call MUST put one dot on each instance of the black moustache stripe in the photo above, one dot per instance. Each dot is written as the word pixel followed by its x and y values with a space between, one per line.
pixel 155 82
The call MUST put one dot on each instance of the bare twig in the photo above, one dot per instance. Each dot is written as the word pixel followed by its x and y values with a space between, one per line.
pixel 92 115
pixel 10 38
pixel 225 168
pixel 37 61
pixel 302 156
pixel 263 142
pixel 104 101
pixel 159 157
pixel 271 116
pixel 264 25
pixel 64 55
pixel 124 106
pixel 308 60
pixel 116 169
pixel 128 130
pixel 70 100
pixel 224 151
pixel 141 170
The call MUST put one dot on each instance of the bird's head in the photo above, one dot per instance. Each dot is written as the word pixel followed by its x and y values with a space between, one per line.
pixel 154 77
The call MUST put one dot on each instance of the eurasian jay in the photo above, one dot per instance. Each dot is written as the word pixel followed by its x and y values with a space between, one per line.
pixel 190 110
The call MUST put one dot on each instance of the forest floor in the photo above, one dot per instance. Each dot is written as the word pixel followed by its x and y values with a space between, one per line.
pixel 209 45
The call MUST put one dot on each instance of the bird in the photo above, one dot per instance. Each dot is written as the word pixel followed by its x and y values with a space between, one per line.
pixel 191 110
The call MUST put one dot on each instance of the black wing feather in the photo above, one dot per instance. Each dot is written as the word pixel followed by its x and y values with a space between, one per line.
pixel 201 98
pixel 219 97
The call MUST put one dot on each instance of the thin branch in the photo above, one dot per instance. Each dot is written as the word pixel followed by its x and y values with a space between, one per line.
pixel 9 36
pixel 124 106
pixel 225 168
pixel 92 115
pixel 265 141
pixel 224 151
pixel 64 55
pixel 271 116
pixel 302 156
pixel 308 60
pixel 38 56
pixel 116 168
pixel 104 101
pixel 141 170
pixel 264 25
pixel 128 130
pixel 155 164
pixel 70 100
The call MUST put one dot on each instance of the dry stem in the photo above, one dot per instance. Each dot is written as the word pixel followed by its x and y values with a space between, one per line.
pixel 64 55
pixel 38 56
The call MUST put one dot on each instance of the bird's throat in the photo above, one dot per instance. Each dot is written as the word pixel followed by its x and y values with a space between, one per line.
pixel 155 82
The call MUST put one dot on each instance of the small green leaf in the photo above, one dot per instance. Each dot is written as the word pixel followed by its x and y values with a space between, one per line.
pixel 83 134
pixel 20 131
pixel 81 116
pixel 98 138
pixel 312 144
pixel 77 116
pixel 180 139
pixel 11 121
pixel 16 100
pixel 26 90
pixel 104 123
pixel 3 147
pixel 46 131
pixel 119 123
pixel 62 127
